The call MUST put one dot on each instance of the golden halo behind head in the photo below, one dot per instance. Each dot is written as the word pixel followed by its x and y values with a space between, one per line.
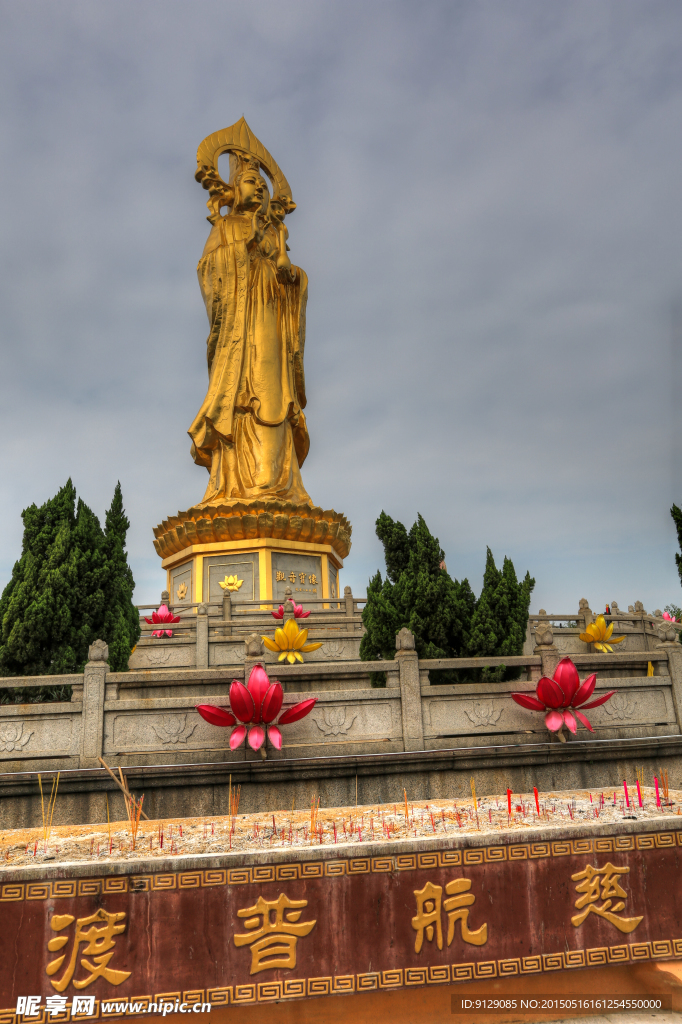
pixel 242 144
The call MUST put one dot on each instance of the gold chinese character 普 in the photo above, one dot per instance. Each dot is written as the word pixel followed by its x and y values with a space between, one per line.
pixel 428 917
pixel 273 943
pixel 280 577
pixel 591 879
pixel 313 579
pixel 98 942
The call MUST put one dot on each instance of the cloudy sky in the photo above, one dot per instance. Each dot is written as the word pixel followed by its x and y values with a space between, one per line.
pixel 489 211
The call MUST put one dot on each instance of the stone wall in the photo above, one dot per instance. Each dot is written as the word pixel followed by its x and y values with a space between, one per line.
pixel 357 735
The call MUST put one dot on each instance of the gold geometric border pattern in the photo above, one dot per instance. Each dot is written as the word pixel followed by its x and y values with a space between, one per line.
pixel 345 984
pixel 12 892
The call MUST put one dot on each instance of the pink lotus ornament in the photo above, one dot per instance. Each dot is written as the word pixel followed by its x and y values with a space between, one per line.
pixel 163 615
pixel 298 612
pixel 668 617
pixel 257 704
pixel 555 696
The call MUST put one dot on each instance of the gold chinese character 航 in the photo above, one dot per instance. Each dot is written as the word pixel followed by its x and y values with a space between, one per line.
pixel 428 917
pixel 97 941
pixel 273 943
pixel 279 576
pixel 590 881
pixel 313 579
pixel 292 576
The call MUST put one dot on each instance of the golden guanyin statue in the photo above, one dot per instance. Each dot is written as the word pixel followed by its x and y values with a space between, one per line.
pixel 250 432
pixel 256 523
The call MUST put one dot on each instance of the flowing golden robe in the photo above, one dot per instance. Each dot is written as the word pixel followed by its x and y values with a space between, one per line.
pixel 251 432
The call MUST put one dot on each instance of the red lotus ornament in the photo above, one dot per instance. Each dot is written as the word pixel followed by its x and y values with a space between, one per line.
pixel 162 616
pixel 555 696
pixel 257 704
pixel 298 612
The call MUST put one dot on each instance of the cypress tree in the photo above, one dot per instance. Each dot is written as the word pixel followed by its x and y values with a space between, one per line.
pixel 441 612
pixel 498 625
pixel 72 585
pixel 676 513
pixel 417 593
pixel 121 622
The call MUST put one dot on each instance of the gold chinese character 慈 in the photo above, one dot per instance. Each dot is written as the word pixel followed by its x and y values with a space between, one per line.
pixel 98 942
pixel 273 943
pixel 279 576
pixel 292 576
pixel 591 879
pixel 313 579
pixel 428 917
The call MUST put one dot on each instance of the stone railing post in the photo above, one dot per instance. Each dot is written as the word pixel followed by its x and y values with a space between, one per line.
pixel 202 637
pixel 673 649
pixel 585 616
pixel 227 613
pixel 410 691
pixel 165 599
pixel 545 647
pixel 253 647
pixel 94 685
pixel 349 609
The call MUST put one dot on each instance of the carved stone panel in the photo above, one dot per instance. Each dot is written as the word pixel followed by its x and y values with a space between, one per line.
pixel 37 736
pixel 243 565
pixel 157 654
pixel 303 573
pixel 129 732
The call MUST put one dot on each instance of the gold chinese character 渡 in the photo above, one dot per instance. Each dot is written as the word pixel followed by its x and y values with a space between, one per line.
pixel 428 917
pixel 98 942
pixel 279 576
pixel 273 943
pixel 292 576
pixel 313 579
pixel 590 881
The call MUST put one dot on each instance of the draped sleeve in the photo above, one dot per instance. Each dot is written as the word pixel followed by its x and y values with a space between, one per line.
pixel 223 273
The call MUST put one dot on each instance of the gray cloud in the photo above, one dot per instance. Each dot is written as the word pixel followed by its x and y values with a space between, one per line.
pixel 488 211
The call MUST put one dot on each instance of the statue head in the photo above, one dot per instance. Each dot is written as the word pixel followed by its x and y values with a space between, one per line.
pixel 250 189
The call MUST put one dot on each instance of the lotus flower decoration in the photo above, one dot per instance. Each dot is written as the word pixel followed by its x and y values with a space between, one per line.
pixel 598 633
pixel 257 704
pixel 561 696
pixel 231 583
pixel 290 642
pixel 161 617
pixel 668 617
pixel 298 612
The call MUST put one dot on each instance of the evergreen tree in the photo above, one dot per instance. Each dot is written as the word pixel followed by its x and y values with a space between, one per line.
pixel 676 513
pixel 498 625
pixel 71 586
pixel 417 593
pixel 121 626
pixel 442 612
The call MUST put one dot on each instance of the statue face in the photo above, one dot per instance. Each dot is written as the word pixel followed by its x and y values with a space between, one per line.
pixel 252 191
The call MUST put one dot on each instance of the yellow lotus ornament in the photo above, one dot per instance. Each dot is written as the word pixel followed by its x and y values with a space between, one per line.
pixel 290 642
pixel 231 583
pixel 598 633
